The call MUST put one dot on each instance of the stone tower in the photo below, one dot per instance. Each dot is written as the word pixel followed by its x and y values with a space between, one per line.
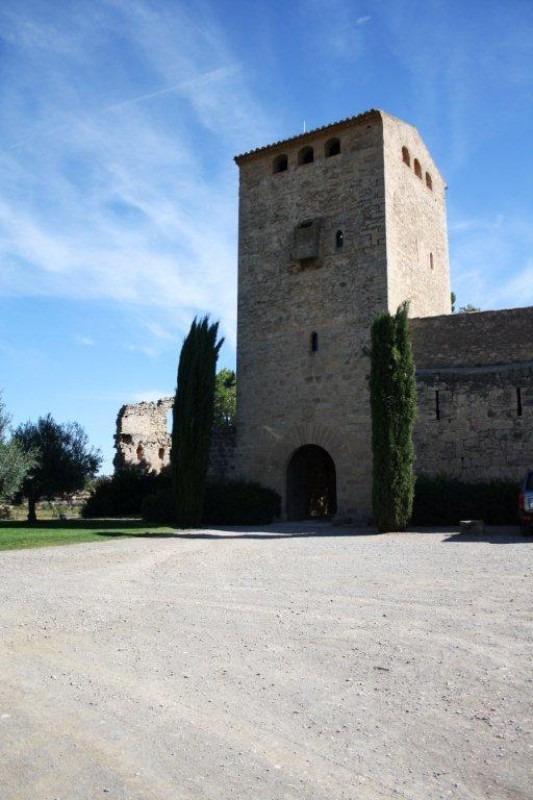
pixel 335 225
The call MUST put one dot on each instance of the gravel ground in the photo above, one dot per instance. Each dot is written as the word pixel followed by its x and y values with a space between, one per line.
pixel 295 662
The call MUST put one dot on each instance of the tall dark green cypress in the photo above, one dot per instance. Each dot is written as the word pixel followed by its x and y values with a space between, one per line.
pixel 192 420
pixel 393 400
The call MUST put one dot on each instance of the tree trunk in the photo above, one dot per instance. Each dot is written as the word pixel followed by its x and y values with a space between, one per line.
pixel 32 502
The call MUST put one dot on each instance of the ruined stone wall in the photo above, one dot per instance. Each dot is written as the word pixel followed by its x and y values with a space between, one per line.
pixel 143 440
pixel 475 383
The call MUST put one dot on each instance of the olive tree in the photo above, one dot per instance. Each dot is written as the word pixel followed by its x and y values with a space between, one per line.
pixel 15 461
pixel 64 459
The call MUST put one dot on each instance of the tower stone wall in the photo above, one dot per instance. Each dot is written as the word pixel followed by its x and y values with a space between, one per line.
pixel 416 224
pixel 320 243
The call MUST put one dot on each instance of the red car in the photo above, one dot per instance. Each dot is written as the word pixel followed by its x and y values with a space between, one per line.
pixel 525 503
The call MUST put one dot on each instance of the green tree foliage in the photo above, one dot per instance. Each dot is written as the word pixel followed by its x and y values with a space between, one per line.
pixel 225 399
pixel 15 462
pixel 65 460
pixel 393 403
pixel 193 415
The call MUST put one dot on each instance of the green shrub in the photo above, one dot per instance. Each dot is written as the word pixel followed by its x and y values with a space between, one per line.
pixel 122 494
pixel 446 501
pixel 231 503
pixel 160 507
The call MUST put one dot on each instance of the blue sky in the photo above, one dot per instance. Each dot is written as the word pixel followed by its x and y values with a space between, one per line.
pixel 119 120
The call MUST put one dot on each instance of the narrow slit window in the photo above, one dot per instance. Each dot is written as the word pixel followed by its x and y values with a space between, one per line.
pixel 429 182
pixel 314 342
pixel 437 405
pixel 406 158
pixel 431 260
pixel 418 169
pixel 518 401
pixel 339 240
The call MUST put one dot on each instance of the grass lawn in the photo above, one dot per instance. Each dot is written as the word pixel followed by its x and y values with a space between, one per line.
pixel 16 535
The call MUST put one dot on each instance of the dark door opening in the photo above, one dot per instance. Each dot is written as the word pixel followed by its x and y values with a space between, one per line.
pixel 311 484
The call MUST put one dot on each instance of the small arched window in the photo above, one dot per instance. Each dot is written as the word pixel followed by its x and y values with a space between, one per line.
pixel 418 169
pixel 406 158
pixel 429 182
pixel 339 240
pixel 314 342
pixel 306 156
pixel 280 164
pixel 332 148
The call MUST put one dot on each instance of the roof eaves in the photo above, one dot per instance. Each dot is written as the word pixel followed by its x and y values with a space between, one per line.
pixel 302 137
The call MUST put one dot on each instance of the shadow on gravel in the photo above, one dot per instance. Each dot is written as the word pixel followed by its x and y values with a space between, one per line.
pixel 237 534
pixel 495 535
pixel 285 530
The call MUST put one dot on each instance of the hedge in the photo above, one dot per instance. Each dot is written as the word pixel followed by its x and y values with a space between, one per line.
pixel 446 501
pixel 226 503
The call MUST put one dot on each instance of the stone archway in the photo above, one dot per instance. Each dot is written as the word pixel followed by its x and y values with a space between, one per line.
pixel 311 484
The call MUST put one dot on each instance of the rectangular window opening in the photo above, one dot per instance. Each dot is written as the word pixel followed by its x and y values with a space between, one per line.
pixel 437 405
pixel 518 401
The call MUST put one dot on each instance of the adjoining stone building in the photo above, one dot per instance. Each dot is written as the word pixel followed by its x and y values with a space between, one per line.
pixel 336 225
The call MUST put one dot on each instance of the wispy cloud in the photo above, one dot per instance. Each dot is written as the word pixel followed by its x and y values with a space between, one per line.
pixel 337 33
pixel 86 341
pixel 488 265
pixel 132 200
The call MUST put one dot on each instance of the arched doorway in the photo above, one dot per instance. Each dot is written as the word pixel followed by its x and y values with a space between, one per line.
pixel 311 484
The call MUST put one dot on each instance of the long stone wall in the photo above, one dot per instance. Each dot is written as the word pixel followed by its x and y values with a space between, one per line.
pixel 482 338
pixel 475 384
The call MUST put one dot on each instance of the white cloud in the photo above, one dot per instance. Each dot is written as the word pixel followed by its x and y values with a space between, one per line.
pixel 86 341
pixel 488 266
pixel 133 200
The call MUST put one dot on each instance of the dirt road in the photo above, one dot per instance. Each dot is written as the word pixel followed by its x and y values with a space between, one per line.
pixel 268 665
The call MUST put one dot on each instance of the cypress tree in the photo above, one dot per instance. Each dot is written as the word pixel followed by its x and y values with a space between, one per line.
pixel 393 403
pixel 192 420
